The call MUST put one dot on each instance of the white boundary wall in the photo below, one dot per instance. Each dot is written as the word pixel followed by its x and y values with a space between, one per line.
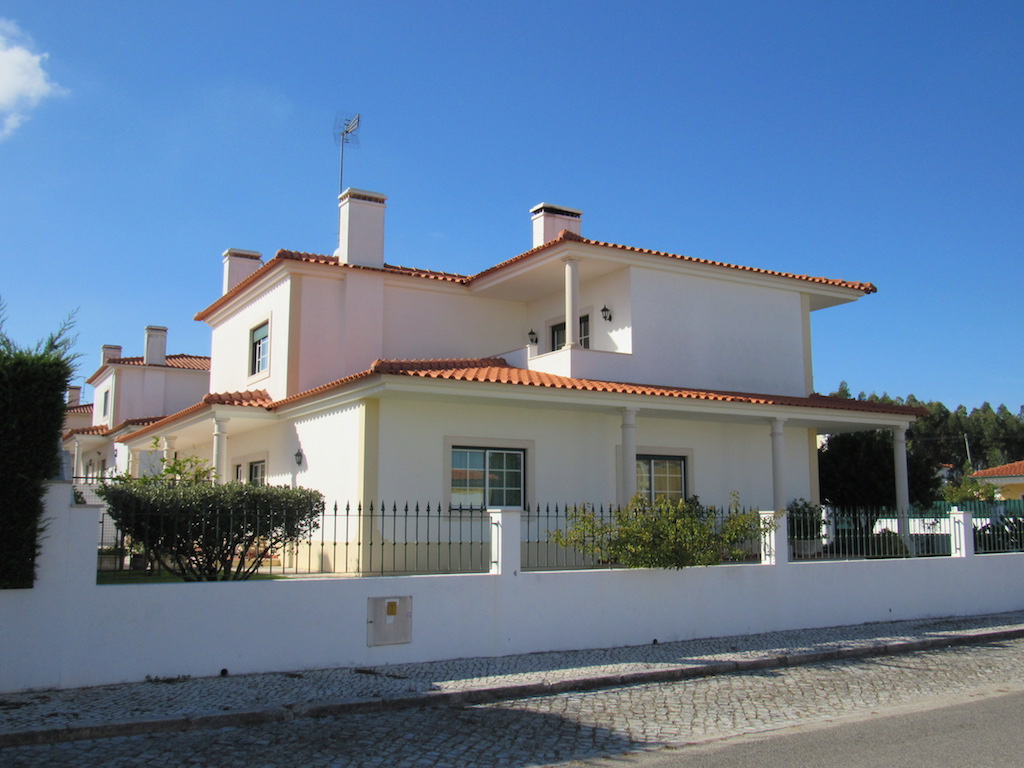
pixel 69 632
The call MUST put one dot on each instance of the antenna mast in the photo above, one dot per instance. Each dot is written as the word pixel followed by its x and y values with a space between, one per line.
pixel 344 132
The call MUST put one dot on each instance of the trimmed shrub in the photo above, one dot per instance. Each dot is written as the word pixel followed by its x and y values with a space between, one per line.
pixel 205 532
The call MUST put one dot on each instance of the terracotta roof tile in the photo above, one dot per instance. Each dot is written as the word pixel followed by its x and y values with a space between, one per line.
pixel 1013 469
pixel 497 371
pixel 563 237
pixel 81 408
pixel 256 398
pixel 105 431
pixel 332 261
pixel 182 361
pixel 566 236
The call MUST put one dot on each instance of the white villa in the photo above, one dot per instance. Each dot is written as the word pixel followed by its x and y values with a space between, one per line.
pixel 129 392
pixel 579 370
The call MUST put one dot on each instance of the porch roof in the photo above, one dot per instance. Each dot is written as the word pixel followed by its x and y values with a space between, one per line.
pixel 495 370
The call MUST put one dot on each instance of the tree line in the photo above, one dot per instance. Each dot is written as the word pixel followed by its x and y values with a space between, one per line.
pixel 943 448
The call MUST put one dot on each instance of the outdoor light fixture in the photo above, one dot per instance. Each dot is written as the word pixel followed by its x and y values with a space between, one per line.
pixel 298 457
pixel 606 313
pixel 532 336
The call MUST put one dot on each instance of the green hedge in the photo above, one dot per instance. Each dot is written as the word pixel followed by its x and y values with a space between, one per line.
pixel 32 386
pixel 205 532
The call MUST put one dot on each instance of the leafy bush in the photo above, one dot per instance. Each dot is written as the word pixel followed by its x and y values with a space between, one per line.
pixel 32 386
pixel 205 532
pixel 662 534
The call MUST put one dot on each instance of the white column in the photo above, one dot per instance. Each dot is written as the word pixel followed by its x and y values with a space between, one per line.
pixel 628 455
pixel 572 303
pixel 77 470
pixel 134 462
pixel 220 450
pixel 778 464
pixel 899 459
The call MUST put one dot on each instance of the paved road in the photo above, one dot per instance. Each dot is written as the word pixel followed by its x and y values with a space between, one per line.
pixel 561 728
pixel 977 730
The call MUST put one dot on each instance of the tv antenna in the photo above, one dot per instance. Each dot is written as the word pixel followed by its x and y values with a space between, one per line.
pixel 345 127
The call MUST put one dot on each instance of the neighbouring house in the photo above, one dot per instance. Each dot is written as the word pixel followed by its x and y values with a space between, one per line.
pixel 129 393
pixel 579 370
pixel 76 413
pixel 1009 478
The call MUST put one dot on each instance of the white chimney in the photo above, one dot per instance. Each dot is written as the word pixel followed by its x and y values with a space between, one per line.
pixel 110 352
pixel 549 220
pixel 155 350
pixel 361 228
pixel 238 265
pixel 74 396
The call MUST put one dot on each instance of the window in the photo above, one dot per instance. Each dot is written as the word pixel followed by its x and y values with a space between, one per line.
pixel 106 402
pixel 259 349
pixel 661 476
pixel 487 477
pixel 558 334
pixel 257 473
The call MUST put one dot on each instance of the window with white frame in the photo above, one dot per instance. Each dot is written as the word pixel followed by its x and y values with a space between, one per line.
pixel 661 476
pixel 487 477
pixel 259 348
pixel 558 334
pixel 106 402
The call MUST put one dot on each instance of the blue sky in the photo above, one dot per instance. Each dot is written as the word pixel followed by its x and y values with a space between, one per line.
pixel 876 141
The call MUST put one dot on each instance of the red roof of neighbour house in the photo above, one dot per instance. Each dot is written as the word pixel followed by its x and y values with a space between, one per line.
pixel 183 362
pixel 450 277
pixel 81 408
pixel 1013 469
pixel 104 431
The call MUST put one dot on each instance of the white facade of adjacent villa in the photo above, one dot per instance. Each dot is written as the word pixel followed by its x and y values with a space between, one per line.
pixel 579 370
pixel 129 393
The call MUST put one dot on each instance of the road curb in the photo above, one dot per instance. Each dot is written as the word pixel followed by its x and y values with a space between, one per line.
pixel 279 714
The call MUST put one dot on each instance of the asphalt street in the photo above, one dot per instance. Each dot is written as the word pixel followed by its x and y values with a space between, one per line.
pixel 682 717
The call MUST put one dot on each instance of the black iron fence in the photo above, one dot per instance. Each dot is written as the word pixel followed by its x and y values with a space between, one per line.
pixel 396 539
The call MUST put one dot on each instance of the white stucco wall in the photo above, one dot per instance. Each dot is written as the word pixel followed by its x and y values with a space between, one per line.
pixel 574 455
pixel 71 632
pixel 424 321
pixel 229 371
pixel 700 332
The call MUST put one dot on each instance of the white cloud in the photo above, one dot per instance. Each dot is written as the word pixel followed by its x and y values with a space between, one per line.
pixel 23 82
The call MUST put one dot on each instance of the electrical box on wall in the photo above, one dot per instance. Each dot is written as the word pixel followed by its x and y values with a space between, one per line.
pixel 388 620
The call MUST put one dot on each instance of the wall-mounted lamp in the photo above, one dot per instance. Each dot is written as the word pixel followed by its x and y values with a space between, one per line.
pixel 532 336
pixel 298 457
pixel 606 313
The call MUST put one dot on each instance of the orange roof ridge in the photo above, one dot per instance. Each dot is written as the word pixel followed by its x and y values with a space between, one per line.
pixel 182 360
pixel 565 235
pixel 398 366
pixel 258 397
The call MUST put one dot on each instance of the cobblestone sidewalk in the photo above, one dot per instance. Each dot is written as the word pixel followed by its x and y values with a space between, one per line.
pixel 180 705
